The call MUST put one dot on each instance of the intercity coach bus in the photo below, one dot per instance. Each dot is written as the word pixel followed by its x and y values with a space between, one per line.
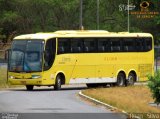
pixel 92 57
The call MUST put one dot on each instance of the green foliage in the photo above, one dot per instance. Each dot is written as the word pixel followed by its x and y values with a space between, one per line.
pixel 28 16
pixel 157 20
pixel 154 85
pixel 9 16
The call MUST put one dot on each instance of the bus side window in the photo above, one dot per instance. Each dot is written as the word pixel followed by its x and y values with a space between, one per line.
pixel 115 45
pixel 76 46
pixel 103 45
pixel 63 46
pixel 89 45
pixel 148 44
pixel 140 45
pixel 61 50
pixel 50 51
pixel 128 45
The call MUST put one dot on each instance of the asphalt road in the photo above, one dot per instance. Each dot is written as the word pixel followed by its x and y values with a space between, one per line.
pixel 47 103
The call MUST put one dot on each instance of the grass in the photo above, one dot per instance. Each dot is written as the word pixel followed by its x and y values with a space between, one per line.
pixel 3 77
pixel 4 47
pixel 132 99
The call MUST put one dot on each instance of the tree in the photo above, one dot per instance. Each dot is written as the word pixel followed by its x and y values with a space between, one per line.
pixel 30 16
pixel 154 85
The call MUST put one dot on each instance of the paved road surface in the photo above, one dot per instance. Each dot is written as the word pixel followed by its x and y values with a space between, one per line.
pixel 51 103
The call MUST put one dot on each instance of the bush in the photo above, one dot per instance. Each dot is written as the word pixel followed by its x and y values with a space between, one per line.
pixel 154 85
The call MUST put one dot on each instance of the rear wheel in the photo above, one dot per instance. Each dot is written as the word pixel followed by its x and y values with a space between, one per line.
pixel 120 79
pixel 58 83
pixel 29 87
pixel 131 79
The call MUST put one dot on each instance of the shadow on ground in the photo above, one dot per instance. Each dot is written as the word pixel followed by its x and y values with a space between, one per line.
pixel 50 89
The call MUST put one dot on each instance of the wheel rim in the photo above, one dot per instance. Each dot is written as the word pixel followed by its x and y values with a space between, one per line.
pixel 120 80
pixel 131 80
pixel 59 82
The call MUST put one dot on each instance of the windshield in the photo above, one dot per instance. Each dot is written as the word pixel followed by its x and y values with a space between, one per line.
pixel 26 56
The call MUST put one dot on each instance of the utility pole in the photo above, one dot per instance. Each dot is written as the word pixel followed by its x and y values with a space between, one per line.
pixel 97 14
pixel 128 17
pixel 81 15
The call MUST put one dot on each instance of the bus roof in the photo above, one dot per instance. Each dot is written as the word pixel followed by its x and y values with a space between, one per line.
pixel 81 33
pixel 36 36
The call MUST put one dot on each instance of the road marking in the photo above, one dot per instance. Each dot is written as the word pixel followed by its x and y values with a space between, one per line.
pixel 101 103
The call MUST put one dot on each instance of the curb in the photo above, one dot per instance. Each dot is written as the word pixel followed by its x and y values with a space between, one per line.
pixel 106 105
pixel 101 103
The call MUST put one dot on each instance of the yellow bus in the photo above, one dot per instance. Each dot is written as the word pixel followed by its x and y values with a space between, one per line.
pixel 92 57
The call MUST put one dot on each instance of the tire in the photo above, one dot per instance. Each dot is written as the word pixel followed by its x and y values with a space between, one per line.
pixel 120 80
pixel 131 79
pixel 29 87
pixel 58 83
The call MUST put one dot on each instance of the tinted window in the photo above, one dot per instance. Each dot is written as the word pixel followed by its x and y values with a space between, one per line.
pixel 76 46
pixel 140 44
pixel 63 46
pixel 49 54
pixel 115 45
pixel 148 44
pixel 104 45
pixel 129 45
pixel 90 45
